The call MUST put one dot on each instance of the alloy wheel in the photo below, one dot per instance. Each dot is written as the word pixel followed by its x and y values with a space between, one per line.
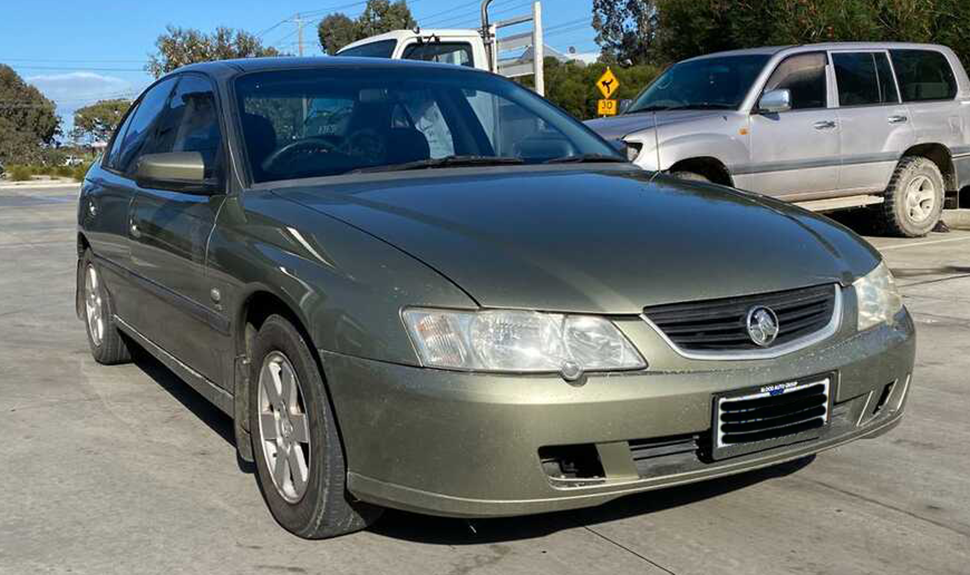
pixel 284 428
pixel 94 305
pixel 920 199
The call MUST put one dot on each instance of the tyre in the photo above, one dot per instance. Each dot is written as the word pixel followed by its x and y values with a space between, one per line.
pixel 108 345
pixel 300 464
pixel 690 176
pixel 914 198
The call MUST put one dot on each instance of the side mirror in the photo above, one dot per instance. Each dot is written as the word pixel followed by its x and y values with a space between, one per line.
pixel 775 101
pixel 625 105
pixel 178 171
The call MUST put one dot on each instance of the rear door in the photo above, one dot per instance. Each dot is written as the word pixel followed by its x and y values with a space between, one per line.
pixel 170 231
pixel 875 126
pixel 795 152
pixel 928 87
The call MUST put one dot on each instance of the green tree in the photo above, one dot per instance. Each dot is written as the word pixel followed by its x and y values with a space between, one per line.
pixel 625 29
pixel 28 121
pixel 178 47
pixel 379 16
pixel 687 28
pixel 99 120
pixel 335 32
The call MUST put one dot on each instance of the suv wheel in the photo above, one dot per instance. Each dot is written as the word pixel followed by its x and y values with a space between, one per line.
pixel 914 199
pixel 299 459
pixel 108 345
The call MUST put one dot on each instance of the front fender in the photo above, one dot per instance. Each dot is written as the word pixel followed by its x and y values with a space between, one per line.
pixel 728 150
pixel 345 286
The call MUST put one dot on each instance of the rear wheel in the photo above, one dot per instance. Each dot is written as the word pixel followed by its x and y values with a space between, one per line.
pixel 108 345
pixel 299 459
pixel 914 198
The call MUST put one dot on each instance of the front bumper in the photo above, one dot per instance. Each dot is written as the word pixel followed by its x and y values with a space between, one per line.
pixel 467 445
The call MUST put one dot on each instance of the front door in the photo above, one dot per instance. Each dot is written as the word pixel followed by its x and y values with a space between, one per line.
pixel 170 232
pixel 875 125
pixel 795 153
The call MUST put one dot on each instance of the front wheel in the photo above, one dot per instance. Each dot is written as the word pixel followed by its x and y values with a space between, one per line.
pixel 299 459
pixel 914 198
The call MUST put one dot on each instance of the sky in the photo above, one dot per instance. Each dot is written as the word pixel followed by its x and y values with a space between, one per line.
pixel 77 53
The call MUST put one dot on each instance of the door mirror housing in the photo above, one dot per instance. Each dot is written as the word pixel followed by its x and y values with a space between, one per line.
pixel 775 101
pixel 177 171
pixel 625 105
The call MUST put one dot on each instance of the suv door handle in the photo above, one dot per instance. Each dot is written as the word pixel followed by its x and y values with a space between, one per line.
pixel 898 119
pixel 825 125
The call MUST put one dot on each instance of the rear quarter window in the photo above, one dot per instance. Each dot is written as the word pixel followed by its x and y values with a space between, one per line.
pixel 924 75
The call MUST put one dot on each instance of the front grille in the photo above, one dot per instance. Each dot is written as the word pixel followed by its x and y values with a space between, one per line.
pixel 771 414
pixel 721 325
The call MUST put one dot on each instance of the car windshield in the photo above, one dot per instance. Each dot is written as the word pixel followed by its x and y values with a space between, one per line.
pixel 330 121
pixel 719 83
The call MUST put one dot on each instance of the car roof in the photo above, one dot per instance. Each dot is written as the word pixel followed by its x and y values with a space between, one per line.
pixel 772 50
pixel 230 68
pixel 406 34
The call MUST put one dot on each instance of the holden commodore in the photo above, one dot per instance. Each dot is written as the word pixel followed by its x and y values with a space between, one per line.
pixel 424 287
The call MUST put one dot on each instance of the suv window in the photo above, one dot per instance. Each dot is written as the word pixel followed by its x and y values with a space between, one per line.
pixel 190 122
pixel 924 75
pixel 458 53
pixel 140 125
pixel 382 49
pixel 804 76
pixel 861 83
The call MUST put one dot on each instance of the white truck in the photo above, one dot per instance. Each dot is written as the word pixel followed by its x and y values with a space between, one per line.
pixel 480 48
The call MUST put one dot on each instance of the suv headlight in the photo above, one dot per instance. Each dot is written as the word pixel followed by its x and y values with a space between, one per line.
pixel 879 301
pixel 519 342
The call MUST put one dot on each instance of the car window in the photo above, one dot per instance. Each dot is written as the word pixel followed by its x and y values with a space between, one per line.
pixel 323 122
pixel 717 83
pixel 924 75
pixel 190 123
pixel 458 53
pixel 141 125
pixel 111 158
pixel 859 81
pixel 382 49
pixel 804 76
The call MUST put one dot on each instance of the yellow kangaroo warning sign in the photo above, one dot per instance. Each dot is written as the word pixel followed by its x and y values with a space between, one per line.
pixel 607 108
pixel 608 84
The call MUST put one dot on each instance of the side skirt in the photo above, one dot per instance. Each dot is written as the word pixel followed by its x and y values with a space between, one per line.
pixel 215 394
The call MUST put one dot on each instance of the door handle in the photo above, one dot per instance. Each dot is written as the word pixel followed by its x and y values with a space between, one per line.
pixel 898 119
pixel 825 125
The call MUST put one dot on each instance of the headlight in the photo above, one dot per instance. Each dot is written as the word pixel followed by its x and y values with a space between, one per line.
pixel 519 342
pixel 878 298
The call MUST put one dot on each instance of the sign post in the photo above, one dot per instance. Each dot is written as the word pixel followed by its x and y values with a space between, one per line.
pixel 608 84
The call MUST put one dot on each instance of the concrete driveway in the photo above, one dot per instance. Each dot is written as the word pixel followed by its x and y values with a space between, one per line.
pixel 127 470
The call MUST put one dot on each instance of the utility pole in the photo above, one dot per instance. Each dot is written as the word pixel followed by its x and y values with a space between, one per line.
pixel 299 32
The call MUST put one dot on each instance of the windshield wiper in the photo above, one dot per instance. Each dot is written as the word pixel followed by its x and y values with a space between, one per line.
pixel 446 162
pixel 586 159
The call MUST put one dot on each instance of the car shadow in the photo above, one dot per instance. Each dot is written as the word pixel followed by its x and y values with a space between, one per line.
pixel 202 408
pixel 447 531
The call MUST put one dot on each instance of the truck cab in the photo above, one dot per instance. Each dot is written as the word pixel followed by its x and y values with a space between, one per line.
pixel 459 47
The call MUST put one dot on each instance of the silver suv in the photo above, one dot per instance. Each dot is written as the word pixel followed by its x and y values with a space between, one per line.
pixel 832 125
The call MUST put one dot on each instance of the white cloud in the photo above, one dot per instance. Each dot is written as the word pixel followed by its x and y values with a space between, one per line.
pixel 75 90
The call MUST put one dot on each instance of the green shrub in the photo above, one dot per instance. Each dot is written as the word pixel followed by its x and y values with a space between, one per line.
pixel 64 172
pixel 78 172
pixel 20 173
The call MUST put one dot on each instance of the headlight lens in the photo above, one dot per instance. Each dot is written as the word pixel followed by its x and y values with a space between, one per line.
pixel 878 298
pixel 519 342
